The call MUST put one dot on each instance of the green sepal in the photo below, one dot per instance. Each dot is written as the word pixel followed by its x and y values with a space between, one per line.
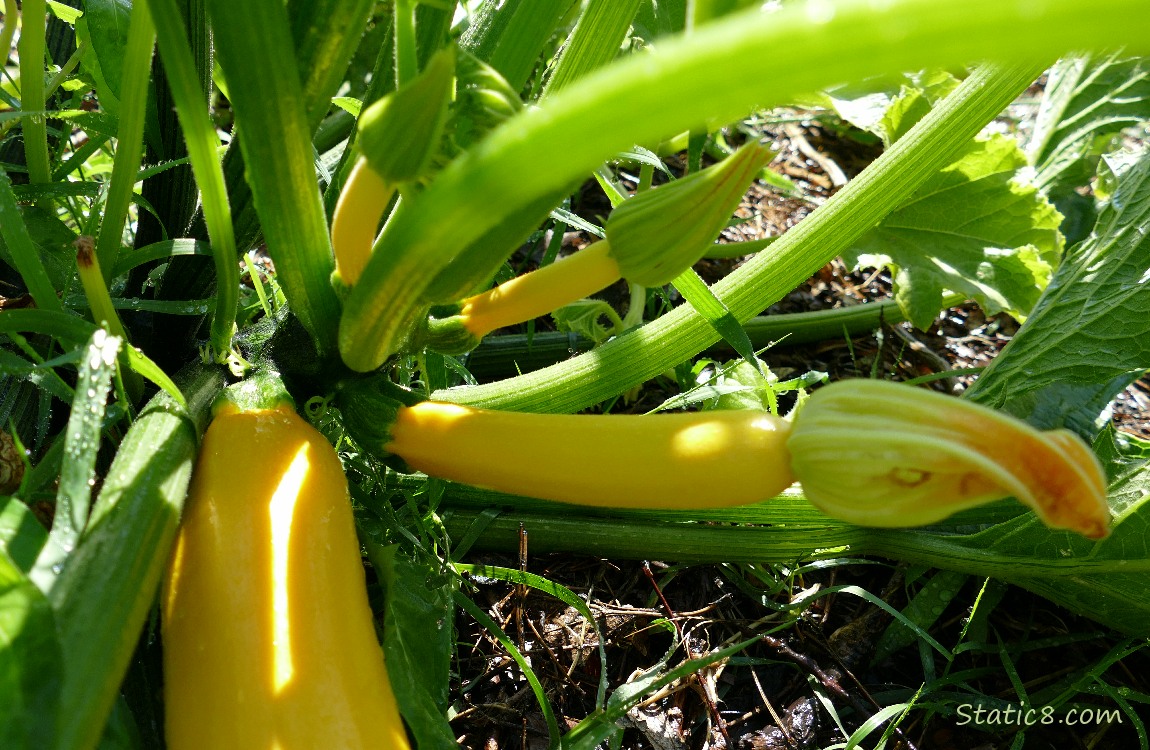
pixel 660 233
pixel 400 134
pixel 448 336
pixel 369 407
pixel 261 391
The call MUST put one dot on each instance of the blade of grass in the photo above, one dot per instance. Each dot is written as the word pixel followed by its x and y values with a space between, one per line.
pixel 136 70
pixel 704 301
pixel 269 104
pixel 638 355
pixel 159 251
pixel 82 443
pixel 562 593
pixel 24 252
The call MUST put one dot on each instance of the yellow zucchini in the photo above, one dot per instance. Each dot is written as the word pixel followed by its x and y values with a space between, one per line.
pixel 869 452
pixel 268 636
pixel 684 460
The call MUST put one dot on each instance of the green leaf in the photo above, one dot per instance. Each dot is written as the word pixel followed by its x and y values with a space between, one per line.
pixel 21 535
pixel 1088 101
pixel 1089 336
pixel 418 637
pixel 923 610
pixel 31 665
pixel 105 24
pixel 973 228
pixel 889 107
pixel 65 13
pixel 583 317
pixel 1087 339
pixel 348 104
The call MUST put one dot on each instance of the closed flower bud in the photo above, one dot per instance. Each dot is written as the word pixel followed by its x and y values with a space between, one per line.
pixel 882 454
pixel 660 233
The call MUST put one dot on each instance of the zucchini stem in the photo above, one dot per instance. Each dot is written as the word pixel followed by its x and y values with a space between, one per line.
pixel 687 460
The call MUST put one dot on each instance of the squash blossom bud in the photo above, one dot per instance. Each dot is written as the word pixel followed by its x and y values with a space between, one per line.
pixel 660 233
pixel 877 453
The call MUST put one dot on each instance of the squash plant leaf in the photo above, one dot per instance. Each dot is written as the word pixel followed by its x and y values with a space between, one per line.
pixel 1086 340
pixel 973 228
pixel 30 662
pixel 888 107
pixel 1089 100
pixel 417 641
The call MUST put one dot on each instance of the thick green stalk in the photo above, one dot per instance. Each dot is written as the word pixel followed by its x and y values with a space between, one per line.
pixel 129 137
pixel 32 90
pixel 507 355
pixel 684 82
pixel 594 42
pixel 509 36
pixel 202 142
pixel 174 194
pixel 275 139
pixel 643 353
pixel 406 57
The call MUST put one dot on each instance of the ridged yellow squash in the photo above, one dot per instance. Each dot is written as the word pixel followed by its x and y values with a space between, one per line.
pixel 268 635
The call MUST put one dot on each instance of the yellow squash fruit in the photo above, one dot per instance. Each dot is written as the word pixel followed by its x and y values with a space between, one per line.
pixel 268 636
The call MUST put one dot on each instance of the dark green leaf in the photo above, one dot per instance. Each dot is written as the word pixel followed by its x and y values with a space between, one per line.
pixel 418 637
pixel 31 665
pixel 105 23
